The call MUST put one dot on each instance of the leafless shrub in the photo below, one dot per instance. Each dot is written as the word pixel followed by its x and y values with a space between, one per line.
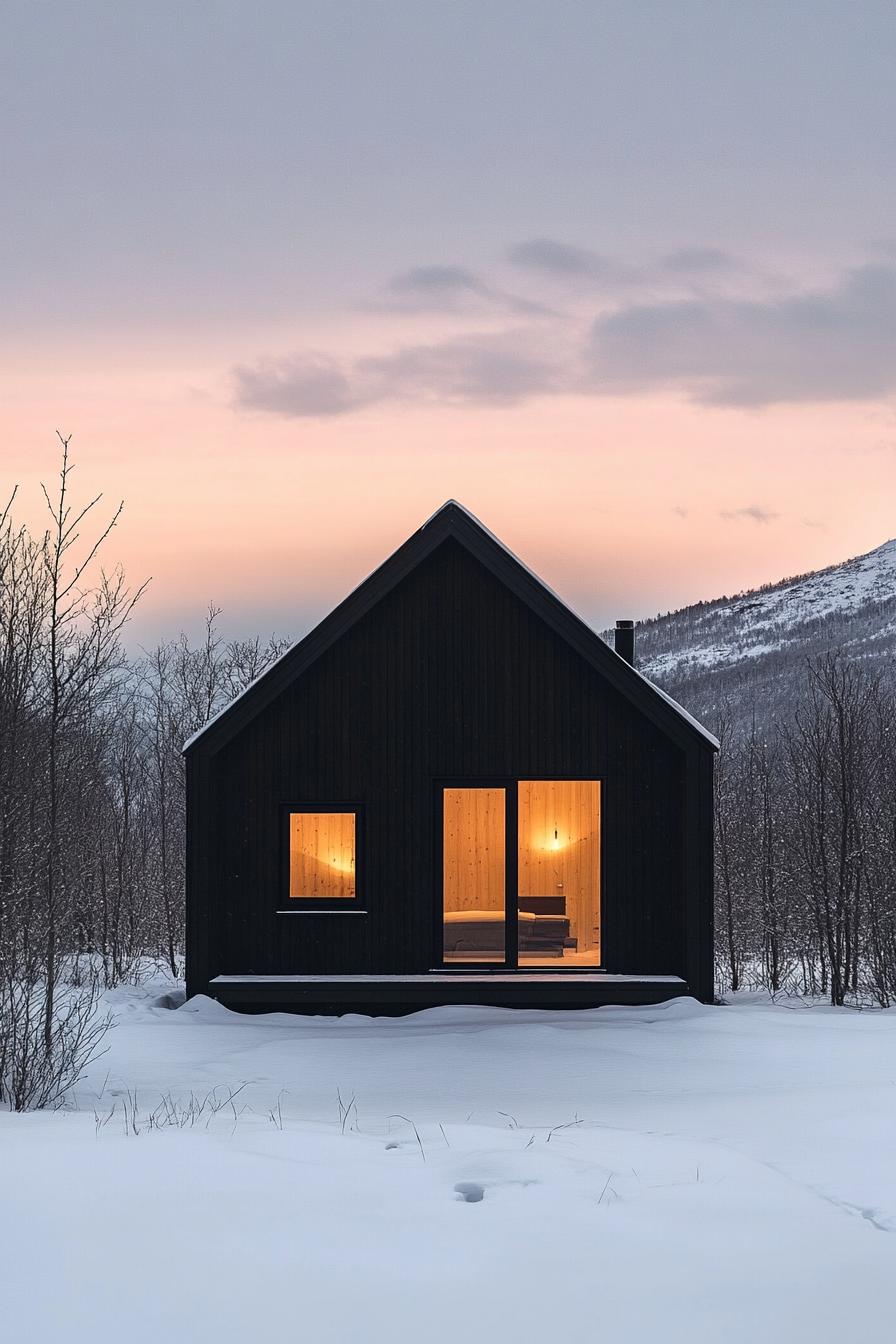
pixel 172 1112
pixel 34 1074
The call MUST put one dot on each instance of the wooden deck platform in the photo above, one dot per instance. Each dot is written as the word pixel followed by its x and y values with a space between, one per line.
pixel 390 995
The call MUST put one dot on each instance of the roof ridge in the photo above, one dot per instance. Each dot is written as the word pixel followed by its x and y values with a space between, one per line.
pixel 424 533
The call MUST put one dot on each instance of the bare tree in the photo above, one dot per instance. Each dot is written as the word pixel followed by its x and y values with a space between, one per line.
pixel 83 624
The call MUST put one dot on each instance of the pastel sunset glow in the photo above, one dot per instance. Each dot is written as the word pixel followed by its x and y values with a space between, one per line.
pixel 620 278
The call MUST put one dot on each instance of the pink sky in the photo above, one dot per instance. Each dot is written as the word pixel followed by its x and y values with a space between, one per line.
pixel 619 277
pixel 619 502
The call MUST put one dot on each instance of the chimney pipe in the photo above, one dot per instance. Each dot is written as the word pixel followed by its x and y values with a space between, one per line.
pixel 625 641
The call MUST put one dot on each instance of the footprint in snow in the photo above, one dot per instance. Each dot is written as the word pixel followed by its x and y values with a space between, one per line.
pixel 471 1192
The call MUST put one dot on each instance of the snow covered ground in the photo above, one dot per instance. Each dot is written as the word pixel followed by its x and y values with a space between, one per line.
pixel 698 1173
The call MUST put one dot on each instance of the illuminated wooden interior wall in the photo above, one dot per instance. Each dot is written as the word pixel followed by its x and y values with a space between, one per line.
pixel 567 864
pixel 473 849
pixel 322 854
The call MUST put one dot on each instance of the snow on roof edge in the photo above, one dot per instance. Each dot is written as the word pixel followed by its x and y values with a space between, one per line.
pixel 239 695
pixel 255 680
pixel 673 704
pixel 680 709
pixel 502 545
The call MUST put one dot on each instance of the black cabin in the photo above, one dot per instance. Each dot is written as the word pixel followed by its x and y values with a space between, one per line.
pixel 451 791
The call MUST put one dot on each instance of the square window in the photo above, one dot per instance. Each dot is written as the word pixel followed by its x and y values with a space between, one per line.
pixel 322 856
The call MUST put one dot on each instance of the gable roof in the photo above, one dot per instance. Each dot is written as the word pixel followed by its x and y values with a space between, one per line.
pixel 452 520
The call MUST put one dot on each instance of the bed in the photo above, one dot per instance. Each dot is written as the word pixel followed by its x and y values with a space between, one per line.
pixel 543 928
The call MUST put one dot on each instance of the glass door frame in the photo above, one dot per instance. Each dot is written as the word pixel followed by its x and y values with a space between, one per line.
pixel 510 785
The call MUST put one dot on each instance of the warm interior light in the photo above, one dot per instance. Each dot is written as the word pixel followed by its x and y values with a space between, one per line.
pixel 322 855
pixel 473 858
pixel 556 903
pixel 558 872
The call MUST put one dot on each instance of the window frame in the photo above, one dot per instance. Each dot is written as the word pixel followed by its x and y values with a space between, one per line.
pixel 310 905
pixel 600 780
pixel 510 783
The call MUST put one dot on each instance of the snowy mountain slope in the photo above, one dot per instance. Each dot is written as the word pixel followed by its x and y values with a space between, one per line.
pixel 751 649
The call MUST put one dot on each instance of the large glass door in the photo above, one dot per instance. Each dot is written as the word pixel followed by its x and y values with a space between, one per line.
pixel 473 875
pixel 558 872
pixel 549 873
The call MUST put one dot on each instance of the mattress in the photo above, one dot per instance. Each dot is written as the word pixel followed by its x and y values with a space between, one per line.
pixel 481 916
pixel 483 931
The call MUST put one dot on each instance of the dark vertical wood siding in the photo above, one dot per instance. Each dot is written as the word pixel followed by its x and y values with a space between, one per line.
pixel 450 676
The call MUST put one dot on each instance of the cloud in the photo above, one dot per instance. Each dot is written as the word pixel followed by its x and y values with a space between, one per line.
pixel 437 280
pixel 297 385
pixel 823 345
pixel 753 513
pixel 563 261
pixel 691 261
pixel 490 369
pixel 672 275
pixel 442 287
pixel 486 369
pixel 827 344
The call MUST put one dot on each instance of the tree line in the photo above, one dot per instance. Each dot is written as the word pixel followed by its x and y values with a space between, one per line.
pixel 92 816
pixel 805 840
